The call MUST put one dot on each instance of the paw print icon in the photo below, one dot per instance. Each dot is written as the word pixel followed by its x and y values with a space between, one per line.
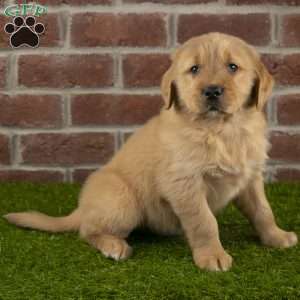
pixel 24 32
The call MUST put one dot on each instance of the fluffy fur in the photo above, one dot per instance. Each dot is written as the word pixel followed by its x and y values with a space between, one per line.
pixel 175 173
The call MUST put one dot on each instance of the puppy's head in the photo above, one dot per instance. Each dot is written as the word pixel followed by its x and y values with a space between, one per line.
pixel 216 74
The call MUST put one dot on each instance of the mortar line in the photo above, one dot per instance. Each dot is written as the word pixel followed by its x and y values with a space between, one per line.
pixel 74 129
pixel 96 166
pixel 109 50
pixel 28 167
pixel 283 164
pixel 168 25
pixel 154 91
pixel 216 7
pixel 286 166
pixel 71 174
pixel 10 72
pixel 47 167
pixel 175 30
pixel 151 91
pixel 269 112
pixel 279 30
pixel 286 129
pixel 68 175
pixel 274 111
pixel 18 158
pixel 274 26
pixel 121 138
pixel 113 128
pixel 120 71
pixel 65 25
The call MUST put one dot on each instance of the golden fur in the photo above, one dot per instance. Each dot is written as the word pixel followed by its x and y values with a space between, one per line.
pixel 175 173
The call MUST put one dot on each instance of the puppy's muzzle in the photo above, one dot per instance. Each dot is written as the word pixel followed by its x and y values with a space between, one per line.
pixel 213 95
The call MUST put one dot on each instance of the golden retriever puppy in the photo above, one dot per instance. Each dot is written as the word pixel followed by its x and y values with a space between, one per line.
pixel 207 147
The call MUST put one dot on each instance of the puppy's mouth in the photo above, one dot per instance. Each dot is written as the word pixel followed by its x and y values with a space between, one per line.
pixel 214 110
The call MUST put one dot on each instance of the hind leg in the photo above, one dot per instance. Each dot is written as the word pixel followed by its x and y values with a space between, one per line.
pixel 111 212
pixel 111 246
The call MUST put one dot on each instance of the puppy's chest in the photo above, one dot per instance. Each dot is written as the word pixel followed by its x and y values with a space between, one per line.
pixel 223 165
pixel 222 157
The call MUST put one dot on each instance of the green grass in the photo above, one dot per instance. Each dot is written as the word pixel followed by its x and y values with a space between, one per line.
pixel 37 265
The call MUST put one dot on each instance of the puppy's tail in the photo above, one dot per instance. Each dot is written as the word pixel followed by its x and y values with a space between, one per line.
pixel 43 222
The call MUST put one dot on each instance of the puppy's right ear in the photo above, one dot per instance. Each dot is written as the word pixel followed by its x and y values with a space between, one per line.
pixel 168 89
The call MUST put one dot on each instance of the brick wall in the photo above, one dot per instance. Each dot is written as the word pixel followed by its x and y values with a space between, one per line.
pixel 66 107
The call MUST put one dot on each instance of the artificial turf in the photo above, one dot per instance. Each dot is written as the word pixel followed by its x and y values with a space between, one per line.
pixel 36 265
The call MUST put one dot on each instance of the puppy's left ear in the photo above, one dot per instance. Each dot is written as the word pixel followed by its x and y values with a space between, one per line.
pixel 263 85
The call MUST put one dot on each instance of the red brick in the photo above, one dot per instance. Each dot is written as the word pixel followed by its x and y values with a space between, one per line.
pixel 4 150
pixel 31 176
pixel 30 111
pixel 285 146
pixel 105 109
pixel 65 71
pixel 4 37
pixel 3 67
pixel 171 1
pixel 288 108
pixel 96 29
pixel 80 175
pixel 253 28
pixel 51 36
pixel 284 68
pixel 288 175
pixel 254 2
pixel 144 70
pixel 73 2
pixel 290 35
pixel 66 149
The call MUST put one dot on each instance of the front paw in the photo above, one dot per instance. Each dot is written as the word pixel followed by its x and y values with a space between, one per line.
pixel 279 238
pixel 212 259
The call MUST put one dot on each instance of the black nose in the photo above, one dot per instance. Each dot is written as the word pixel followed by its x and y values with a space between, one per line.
pixel 213 91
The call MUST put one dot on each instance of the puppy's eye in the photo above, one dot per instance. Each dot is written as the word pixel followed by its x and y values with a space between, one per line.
pixel 194 69
pixel 232 67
